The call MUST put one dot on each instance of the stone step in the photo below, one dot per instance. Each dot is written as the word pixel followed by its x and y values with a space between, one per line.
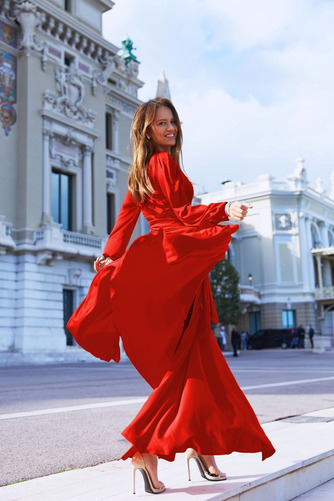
pixel 303 461
pixel 325 492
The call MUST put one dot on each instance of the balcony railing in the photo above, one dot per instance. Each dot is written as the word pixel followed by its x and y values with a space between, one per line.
pixel 249 295
pixel 247 289
pixel 69 237
pixel 324 293
pixel 52 238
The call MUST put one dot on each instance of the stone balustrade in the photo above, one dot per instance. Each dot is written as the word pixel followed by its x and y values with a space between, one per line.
pixel 324 293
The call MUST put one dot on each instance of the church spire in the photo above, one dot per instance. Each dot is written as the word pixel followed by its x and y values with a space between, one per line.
pixel 163 86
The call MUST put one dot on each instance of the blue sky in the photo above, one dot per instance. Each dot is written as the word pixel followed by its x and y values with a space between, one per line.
pixel 253 81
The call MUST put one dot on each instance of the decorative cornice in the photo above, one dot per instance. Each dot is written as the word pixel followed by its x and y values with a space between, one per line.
pixel 65 28
pixel 41 16
pixel 73 124
pixel 57 19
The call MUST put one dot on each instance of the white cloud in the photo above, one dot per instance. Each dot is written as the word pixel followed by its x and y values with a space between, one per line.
pixel 253 80
pixel 238 140
pixel 250 23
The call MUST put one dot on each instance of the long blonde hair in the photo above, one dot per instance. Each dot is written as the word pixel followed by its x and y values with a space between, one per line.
pixel 139 183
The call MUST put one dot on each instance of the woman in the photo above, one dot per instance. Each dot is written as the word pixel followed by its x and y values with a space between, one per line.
pixel 156 296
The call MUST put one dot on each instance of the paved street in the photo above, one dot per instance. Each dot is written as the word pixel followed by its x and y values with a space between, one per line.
pixel 58 417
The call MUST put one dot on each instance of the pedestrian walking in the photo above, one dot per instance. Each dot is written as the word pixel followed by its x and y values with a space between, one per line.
pixel 294 340
pixel 235 338
pixel 217 334
pixel 310 335
pixel 301 337
pixel 223 336
pixel 156 297
pixel 244 340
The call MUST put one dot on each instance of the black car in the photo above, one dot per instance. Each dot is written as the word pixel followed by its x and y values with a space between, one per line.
pixel 270 338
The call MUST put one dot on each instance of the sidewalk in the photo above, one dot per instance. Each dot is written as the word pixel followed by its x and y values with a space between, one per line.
pixel 304 460
pixel 70 355
pixel 75 354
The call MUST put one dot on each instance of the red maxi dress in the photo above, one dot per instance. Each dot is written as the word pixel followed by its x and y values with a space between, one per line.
pixel 156 296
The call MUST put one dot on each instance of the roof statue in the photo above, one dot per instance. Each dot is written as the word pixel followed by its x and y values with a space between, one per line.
pixel 127 48
pixel 163 86
pixel 319 186
pixel 299 176
pixel 300 171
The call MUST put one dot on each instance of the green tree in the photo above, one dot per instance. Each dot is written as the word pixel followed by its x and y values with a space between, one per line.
pixel 224 280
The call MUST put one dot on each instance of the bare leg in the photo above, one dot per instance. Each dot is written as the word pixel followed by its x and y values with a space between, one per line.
pixel 211 465
pixel 206 464
pixel 150 462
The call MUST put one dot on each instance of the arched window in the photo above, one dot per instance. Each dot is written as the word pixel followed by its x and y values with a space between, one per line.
pixel 315 234
pixel 330 238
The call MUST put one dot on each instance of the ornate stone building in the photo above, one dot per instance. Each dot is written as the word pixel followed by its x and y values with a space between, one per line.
pixel 284 252
pixel 66 103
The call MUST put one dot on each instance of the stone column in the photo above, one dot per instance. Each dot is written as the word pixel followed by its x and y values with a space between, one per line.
pixel 321 284
pixel 305 254
pixel 309 255
pixel 87 190
pixel 115 135
pixel 46 197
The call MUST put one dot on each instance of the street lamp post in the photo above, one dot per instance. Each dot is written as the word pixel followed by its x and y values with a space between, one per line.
pixel 250 279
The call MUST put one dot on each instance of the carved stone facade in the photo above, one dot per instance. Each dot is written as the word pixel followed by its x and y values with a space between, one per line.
pixel 71 92
pixel 64 162
pixel 284 253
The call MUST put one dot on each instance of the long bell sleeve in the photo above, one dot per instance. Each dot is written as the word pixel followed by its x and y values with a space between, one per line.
pixel 165 173
pixel 126 221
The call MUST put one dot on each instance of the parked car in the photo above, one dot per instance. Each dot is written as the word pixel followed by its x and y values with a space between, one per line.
pixel 270 338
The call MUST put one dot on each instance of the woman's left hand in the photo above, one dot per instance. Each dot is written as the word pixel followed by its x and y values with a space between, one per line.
pixel 100 262
pixel 238 210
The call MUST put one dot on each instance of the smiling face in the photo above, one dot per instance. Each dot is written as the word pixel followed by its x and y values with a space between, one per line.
pixel 163 130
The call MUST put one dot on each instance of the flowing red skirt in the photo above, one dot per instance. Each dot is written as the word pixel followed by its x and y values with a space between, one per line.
pixel 157 298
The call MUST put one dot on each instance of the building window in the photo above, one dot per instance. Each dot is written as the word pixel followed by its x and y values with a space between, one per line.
pixel 108 131
pixel 61 199
pixel 111 212
pixel 68 308
pixel 288 319
pixel 316 243
pixel 330 239
pixel 67 5
pixel 254 321
pixel 68 59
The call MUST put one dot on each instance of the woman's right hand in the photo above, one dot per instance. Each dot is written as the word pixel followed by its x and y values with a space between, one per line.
pixel 238 210
pixel 100 262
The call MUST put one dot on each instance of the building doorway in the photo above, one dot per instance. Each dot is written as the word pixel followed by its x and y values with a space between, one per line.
pixel 68 308
pixel 254 321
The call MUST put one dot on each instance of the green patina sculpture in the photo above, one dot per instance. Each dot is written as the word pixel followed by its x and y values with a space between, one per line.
pixel 127 48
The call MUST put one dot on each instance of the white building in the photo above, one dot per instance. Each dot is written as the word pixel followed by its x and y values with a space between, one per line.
pixel 284 252
pixel 66 103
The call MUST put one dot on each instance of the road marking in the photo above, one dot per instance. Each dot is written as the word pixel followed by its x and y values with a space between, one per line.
pixel 286 369
pixel 287 383
pixel 115 403
pixel 58 410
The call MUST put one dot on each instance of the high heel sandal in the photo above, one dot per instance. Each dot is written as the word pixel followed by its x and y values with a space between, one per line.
pixel 138 463
pixel 205 473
